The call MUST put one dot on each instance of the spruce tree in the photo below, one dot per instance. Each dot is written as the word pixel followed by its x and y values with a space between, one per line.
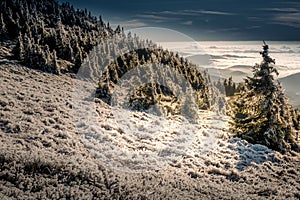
pixel 230 87
pixel 55 66
pixel 19 51
pixel 260 113
pixel 3 30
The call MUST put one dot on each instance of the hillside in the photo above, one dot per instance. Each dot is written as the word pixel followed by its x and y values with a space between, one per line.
pixel 88 112
pixel 48 38
pixel 44 32
pixel 44 157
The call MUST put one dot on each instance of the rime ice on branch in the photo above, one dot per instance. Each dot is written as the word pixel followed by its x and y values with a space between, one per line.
pixel 261 113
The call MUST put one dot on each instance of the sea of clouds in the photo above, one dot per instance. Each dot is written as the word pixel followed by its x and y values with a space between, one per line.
pixel 226 54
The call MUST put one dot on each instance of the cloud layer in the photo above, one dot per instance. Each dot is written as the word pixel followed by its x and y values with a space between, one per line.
pixel 207 20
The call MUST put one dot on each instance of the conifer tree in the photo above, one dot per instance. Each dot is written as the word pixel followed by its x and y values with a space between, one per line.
pixel 3 29
pixel 71 33
pixel 220 86
pixel 55 66
pixel 260 113
pixel 19 51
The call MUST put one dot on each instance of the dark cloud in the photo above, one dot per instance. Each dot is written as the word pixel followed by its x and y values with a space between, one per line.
pixel 207 19
pixel 131 23
pixel 192 12
pixel 288 19
pixel 156 18
pixel 280 9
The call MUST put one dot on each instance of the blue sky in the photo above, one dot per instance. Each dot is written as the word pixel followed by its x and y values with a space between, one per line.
pixel 205 19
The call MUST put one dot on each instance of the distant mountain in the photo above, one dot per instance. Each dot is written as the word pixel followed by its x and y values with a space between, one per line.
pixel 291 84
pixel 237 72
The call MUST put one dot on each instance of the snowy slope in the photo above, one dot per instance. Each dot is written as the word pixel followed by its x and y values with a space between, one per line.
pixel 57 145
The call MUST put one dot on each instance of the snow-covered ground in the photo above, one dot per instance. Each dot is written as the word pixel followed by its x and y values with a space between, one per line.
pixel 54 144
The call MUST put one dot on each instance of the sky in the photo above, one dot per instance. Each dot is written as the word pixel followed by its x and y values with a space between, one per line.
pixel 205 20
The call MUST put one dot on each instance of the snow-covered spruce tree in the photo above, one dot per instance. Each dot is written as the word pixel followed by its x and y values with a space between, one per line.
pixel 230 87
pixel 260 113
pixel 3 30
pixel 19 50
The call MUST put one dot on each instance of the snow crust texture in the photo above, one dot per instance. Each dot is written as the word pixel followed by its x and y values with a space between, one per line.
pixel 48 152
